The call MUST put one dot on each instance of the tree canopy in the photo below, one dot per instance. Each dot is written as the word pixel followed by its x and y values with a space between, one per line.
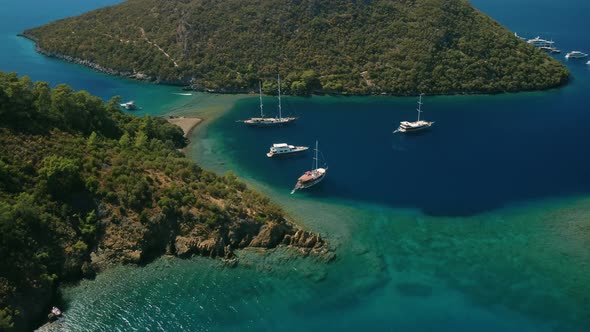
pixel 335 46
pixel 77 174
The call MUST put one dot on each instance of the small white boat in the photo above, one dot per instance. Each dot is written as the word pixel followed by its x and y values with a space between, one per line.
pixel 130 105
pixel 281 149
pixel 313 177
pixel 588 63
pixel 54 314
pixel 418 125
pixel 575 55
pixel 56 311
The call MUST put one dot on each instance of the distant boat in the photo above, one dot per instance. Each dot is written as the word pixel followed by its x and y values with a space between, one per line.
pixel 550 49
pixel 519 37
pixel 588 63
pixel 313 177
pixel 410 127
pixel 575 55
pixel 268 122
pixel 130 105
pixel 280 149
pixel 54 314
pixel 539 42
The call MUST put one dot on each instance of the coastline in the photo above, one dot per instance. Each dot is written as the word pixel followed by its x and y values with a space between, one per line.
pixel 187 124
pixel 405 248
pixel 298 240
pixel 188 85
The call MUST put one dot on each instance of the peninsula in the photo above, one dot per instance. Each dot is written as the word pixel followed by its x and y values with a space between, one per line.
pixel 84 186
pixel 397 47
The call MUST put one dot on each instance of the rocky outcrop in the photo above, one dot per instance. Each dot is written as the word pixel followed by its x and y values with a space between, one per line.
pixel 247 233
pixel 211 247
pixel 126 241
pixel 270 235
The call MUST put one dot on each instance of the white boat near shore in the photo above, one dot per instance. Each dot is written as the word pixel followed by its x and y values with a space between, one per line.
pixel 540 42
pixel 130 105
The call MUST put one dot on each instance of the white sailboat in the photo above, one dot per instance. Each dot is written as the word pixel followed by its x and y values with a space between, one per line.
pixel 313 177
pixel 268 122
pixel 410 127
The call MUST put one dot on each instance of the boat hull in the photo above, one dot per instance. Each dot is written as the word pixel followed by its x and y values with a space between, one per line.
pixel 309 180
pixel 311 183
pixel 284 154
pixel 270 123
pixel 410 130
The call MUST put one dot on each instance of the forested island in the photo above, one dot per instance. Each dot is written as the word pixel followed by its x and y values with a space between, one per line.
pixel 397 47
pixel 84 186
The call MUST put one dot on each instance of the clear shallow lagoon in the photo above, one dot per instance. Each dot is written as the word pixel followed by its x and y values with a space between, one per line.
pixel 480 224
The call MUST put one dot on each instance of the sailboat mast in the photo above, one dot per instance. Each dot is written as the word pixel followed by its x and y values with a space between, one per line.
pixel 279 79
pixel 260 94
pixel 316 155
pixel 419 106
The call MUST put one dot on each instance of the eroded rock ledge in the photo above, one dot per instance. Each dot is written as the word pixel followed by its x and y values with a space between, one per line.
pixel 129 242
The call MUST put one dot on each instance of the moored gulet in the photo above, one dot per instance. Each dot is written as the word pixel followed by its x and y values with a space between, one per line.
pixel 410 127
pixel 283 149
pixel 313 177
pixel 268 122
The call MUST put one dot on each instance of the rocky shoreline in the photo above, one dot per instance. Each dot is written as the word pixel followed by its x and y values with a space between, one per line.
pixel 95 66
pixel 128 242
pixel 115 249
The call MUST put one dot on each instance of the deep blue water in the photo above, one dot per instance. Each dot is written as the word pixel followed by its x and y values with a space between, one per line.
pixel 518 269
pixel 484 152
pixel 481 154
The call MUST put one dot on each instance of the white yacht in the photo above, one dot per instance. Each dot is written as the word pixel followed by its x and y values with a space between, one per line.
pixel 410 127
pixel 130 105
pixel 268 122
pixel 539 42
pixel 313 177
pixel 575 55
pixel 588 63
pixel 281 149
pixel 550 49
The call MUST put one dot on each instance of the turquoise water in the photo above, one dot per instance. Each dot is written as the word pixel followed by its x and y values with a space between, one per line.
pixel 478 225
pixel 18 55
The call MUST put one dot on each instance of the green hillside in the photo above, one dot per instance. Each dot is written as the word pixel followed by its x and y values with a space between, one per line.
pixel 84 186
pixel 335 46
